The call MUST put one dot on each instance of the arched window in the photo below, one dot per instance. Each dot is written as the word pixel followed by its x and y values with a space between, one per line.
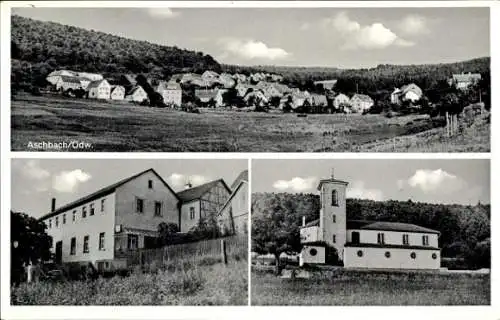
pixel 413 255
pixel 335 199
pixel 360 253
pixel 313 252
pixel 434 256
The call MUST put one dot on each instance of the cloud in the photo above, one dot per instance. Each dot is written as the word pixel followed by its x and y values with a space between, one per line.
pixel 68 181
pixel 296 184
pixel 413 25
pixel 179 180
pixel 358 190
pixel 357 36
pixel 162 13
pixel 251 49
pixel 33 170
pixel 435 181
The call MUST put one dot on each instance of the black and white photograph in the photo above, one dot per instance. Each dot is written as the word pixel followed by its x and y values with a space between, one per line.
pixel 129 232
pixel 370 232
pixel 258 79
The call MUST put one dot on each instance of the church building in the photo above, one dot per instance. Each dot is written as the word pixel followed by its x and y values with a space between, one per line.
pixel 365 244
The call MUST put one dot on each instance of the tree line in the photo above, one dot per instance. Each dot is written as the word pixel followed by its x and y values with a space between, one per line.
pixel 465 229
pixel 38 48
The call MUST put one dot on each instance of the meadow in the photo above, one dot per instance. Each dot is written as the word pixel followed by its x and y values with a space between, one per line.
pixel 358 288
pixel 204 283
pixel 138 128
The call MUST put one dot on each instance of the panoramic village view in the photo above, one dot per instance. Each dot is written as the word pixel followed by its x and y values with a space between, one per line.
pixel 333 232
pixel 79 88
pixel 129 236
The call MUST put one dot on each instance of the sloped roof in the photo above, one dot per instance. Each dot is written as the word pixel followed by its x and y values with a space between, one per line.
pixel 102 192
pixel 70 79
pixel 205 93
pixel 362 97
pixel 332 81
pixel 312 223
pixel 131 78
pixel 319 99
pixel 411 87
pixel 243 176
pixel 330 180
pixel 61 72
pixel 387 226
pixel 134 89
pixel 95 84
pixel 197 192
pixel 116 87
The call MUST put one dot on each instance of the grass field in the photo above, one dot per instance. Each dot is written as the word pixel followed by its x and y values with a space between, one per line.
pixel 120 126
pixel 215 284
pixel 353 288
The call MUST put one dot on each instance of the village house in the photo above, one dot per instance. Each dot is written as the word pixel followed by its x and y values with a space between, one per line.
pixel 360 103
pixel 210 75
pixel 256 77
pixel 227 80
pixel 326 84
pixel 340 100
pixel 365 244
pixel 410 92
pixel 65 83
pixel 136 94
pixel 90 76
pixel 99 89
pixel 295 99
pixel 117 92
pixel 464 80
pixel 318 100
pixel 258 97
pixel 201 202
pixel 171 93
pixel 206 95
pixel 104 226
pixel 239 77
pixel 276 77
pixel 234 214
pixel 243 88
pixel 219 98
pixel 55 76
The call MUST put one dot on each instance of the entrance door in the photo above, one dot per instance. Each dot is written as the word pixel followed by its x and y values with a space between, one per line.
pixel 355 237
pixel 58 252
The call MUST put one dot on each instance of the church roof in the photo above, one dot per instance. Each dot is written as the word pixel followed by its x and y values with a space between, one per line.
pixel 331 180
pixel 387 226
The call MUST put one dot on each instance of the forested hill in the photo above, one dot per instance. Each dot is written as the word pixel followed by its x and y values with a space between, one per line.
pixel 462 227
pixel 47 46
pixel 382 77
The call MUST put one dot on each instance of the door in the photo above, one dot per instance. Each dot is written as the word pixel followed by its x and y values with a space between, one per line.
pixel 355 237
pixel 58 259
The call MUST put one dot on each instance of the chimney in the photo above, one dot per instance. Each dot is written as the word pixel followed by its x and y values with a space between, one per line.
pixel 303 221
pixel 188 185
pixel 53 205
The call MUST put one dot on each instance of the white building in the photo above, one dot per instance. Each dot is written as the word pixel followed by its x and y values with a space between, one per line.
pixel 234 214
pixel 410 92
pixel 99 89
pixel 365 244
pixel 117 93
pixel 136 94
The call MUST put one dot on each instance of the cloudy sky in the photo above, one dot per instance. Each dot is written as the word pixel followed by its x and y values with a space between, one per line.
pixel 35 182
pixel 434 181
pixel 335 37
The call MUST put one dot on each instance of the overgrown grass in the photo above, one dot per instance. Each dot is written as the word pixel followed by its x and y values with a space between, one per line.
pixel 353 288
pixel 115 126
pixel 209 283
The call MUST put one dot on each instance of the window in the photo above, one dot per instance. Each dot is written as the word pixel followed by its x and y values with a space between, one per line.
pixel 360 253
pixel 57 222
pixel 86 244
pixel 334 239
pixel 313 252
pixel 158 207
pixel 406 239
pixel 92 210
pixel 72 250
pixel 101 241
pixel 150 184
pixel 103 201
pixel 132 241
pixel 434 256
pixel 355 237
pixel 335 200
pixel 334 218
pixel 413 255
pixel 139 205
pixel 84 212
pixel 380 238
pixel 387 254
pixel 64 218
pixel 74 215
pixel 425 240
pixel 191 213
pixel 50 223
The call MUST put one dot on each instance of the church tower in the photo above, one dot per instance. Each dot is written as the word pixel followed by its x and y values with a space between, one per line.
pixel 332 217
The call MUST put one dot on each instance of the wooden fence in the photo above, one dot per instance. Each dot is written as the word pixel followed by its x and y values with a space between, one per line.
pixel 225 249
